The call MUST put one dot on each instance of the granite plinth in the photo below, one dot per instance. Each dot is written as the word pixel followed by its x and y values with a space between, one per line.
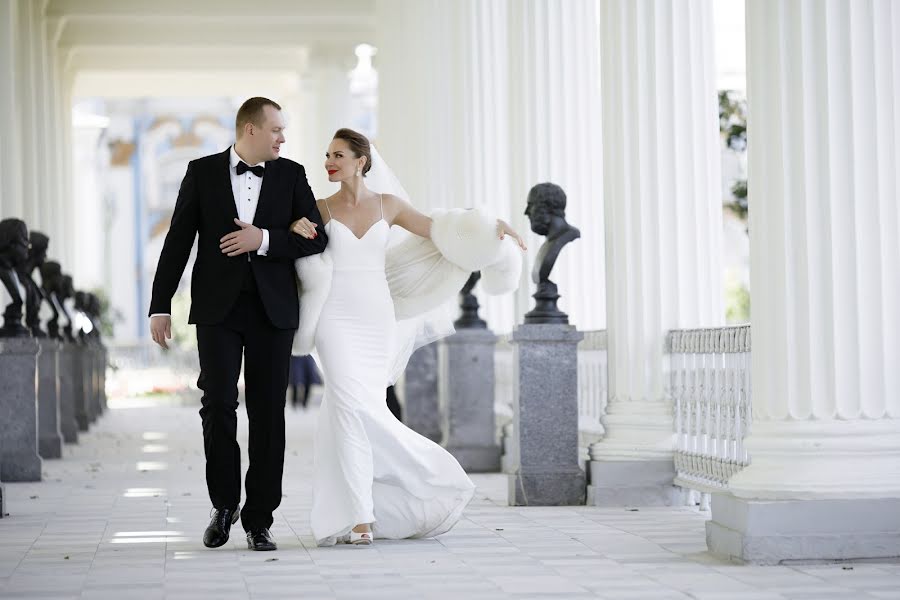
pixel 68 392
pixel 421 409
pixel 467 399
pixel 19 410
pixel 50 439
pixel 545 406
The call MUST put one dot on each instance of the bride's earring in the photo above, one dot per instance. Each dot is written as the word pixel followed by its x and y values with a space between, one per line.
pixel 358 171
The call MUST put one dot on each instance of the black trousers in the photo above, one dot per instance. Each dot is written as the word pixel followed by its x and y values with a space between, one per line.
pixel 246 333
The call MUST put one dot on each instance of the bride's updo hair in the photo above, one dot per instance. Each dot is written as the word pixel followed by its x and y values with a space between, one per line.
pixel 358 143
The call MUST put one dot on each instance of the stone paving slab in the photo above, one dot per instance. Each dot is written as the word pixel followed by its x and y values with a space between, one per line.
pixel 122 514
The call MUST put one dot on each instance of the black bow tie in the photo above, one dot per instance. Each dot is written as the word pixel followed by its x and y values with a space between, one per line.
pixel 242 168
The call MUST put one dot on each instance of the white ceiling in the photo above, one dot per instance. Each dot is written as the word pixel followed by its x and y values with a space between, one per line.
pixel 202 47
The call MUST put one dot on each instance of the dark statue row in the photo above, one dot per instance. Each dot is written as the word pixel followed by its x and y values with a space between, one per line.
pixel 21 254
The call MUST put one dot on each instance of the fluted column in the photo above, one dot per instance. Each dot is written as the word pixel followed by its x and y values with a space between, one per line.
pixel 663 223
pixel 501 95
pixel 823 83
pixel 57 229
pixel 554 101
pixel 11 201
pixel 34 119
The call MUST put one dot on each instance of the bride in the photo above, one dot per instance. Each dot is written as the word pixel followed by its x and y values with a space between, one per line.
pixel 364 308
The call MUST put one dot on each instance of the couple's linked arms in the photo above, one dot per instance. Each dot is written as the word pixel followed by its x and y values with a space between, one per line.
pixel 283 245
pixel 407 217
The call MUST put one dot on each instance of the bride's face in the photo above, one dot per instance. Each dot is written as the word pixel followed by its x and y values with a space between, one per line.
pixel 340 162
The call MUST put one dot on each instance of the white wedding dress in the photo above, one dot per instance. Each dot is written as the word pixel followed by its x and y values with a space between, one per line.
pixel 368 466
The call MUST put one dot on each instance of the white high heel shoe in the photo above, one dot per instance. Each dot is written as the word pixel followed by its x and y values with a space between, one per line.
pixel 363 538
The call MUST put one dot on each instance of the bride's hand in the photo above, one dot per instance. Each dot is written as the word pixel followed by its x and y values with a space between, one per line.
pixel 305 227
pixel 503 229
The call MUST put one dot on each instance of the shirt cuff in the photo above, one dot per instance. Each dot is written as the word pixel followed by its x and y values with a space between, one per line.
pixel 264 247
pixel 160 315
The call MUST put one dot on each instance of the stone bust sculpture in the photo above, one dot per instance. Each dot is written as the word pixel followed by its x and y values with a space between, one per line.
pixel 65 291
pixel 51 279
pixel 546 210
pixel 37 255
pixel 13 254
pixel 469 318
pixel 93 312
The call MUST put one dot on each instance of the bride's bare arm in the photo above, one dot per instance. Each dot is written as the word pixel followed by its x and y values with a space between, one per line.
pixel 407 217
pixel 412 220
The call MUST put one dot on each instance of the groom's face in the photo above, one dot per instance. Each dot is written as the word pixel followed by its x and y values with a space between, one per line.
pixel 267 138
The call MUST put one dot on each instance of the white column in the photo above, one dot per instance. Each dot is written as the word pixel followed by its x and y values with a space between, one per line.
pixel 663 227
pixel 479 101
pixel 554 112
pixel 66 251
pixel 824 153
pixel 11 202
pixel 42 137
pixel 415 113
pixel 318 109
pixel 55 150
pixel 442 110
pixel 27 74
pixel 89 195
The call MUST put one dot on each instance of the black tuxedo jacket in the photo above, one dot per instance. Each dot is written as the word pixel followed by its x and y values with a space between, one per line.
pixel 206 207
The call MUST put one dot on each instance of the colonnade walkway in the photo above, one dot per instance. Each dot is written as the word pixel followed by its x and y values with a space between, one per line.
pixel 122 514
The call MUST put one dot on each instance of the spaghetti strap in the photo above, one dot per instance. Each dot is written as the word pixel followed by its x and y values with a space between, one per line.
pixel 382 205
pixel 325 200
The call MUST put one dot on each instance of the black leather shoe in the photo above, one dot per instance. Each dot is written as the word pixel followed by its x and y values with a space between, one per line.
pixel 216 533
pixel 260 539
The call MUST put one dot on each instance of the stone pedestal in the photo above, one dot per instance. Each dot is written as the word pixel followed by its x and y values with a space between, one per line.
pixel 421 410
pixel 467 399
pixel 545 403
pixel 96 406
pixel 68 392
pixel 104 361
pixel 2 490
pixel 19 410
pixel 50 439
pixel 81 386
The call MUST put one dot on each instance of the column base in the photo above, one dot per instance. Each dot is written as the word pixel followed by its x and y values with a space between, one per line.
pixel 20 466
pixel 547 486
pixel 770 532
pixel 84 422
pixel 477 459
pixel 632 483
pixel 50 446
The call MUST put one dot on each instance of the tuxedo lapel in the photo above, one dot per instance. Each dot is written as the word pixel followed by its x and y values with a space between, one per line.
pixel 269 189
pixel 223 181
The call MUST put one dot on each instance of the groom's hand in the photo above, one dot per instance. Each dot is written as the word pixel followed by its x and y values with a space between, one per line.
pixel 248 239
pixel 161 329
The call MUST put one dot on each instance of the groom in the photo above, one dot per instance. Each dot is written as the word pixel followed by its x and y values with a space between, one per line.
pixel 244 302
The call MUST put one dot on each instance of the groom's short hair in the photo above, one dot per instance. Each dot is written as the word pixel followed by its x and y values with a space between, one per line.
pixel 252 111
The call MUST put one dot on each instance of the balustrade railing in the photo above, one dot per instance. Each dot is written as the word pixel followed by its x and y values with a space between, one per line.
pixel 710 385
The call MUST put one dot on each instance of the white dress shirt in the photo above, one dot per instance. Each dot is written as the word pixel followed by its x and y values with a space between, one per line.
pixel 245 189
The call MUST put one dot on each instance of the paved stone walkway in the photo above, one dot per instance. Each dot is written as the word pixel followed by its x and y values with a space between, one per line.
pixel 121 517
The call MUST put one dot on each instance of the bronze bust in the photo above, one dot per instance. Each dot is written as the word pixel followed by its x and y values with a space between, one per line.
pixel 51 279
pixel 546 210
pixel 37 255
pixel 13 255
